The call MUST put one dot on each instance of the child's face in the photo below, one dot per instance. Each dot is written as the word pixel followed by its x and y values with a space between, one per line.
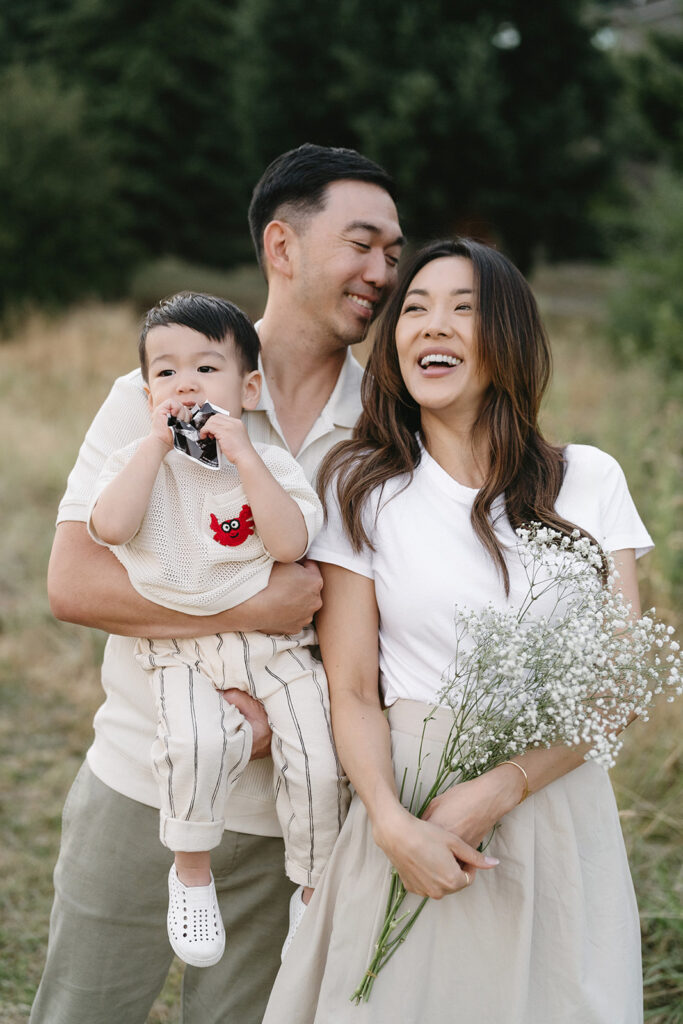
pixel 189 368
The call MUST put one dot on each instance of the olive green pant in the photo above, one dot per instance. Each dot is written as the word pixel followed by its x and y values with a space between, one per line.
pixel 108 952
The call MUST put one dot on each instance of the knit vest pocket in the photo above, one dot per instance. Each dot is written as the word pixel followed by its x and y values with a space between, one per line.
pixel 227 528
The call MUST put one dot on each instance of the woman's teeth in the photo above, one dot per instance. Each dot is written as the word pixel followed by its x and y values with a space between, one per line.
pixel 439 357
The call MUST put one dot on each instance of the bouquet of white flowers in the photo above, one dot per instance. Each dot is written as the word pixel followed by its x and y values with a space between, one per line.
pixel 569 665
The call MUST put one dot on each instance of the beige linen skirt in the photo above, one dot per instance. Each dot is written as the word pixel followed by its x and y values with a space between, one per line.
pixel 550 936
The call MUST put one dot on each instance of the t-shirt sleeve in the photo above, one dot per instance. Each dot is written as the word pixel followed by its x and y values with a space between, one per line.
pixel 596 496
pixel 333 545
pixel 292 479
pixel 123 417
pixel 622 525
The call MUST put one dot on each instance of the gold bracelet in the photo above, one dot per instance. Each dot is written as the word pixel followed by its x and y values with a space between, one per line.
pixel 526 780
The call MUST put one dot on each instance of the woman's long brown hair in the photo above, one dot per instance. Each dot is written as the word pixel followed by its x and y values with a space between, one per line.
pixel 514 352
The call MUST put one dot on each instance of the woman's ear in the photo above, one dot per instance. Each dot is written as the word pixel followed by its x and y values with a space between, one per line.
pixel 278 238
pixel 251 389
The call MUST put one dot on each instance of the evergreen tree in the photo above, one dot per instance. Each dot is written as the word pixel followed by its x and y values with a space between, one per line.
pixel 159 80
pixel 61 235
pixel 652 117
pixel 491 117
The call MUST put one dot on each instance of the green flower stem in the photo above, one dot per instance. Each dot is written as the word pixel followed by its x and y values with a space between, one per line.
pixel 385 947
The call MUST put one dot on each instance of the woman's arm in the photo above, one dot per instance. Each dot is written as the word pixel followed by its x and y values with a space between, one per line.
pixel 88 585
pixel 427 857
pixel 471 809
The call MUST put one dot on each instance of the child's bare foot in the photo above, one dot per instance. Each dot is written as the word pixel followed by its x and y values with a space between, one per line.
pixel 306 894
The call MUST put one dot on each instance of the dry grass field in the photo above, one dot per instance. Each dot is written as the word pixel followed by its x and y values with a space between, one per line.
pixel 54 374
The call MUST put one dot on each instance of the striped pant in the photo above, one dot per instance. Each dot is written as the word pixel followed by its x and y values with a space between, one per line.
pixel 201 747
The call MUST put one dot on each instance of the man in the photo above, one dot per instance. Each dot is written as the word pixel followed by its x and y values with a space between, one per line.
pixel 328 239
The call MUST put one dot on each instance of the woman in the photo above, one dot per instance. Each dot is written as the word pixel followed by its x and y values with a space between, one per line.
pixel 446 461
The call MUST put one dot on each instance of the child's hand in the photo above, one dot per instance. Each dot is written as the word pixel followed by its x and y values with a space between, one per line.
pixel 160 428
pixel 231 435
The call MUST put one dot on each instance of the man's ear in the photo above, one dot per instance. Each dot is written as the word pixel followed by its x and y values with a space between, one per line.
pixel 251 389
pixel 278 243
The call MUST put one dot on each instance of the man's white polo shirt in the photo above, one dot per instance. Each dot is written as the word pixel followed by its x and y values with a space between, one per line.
pixel 125 724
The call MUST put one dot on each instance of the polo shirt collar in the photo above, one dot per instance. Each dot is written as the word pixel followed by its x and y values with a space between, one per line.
pixel 343 406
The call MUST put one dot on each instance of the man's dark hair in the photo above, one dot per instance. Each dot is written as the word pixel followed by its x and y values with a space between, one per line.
pixel 217 319
pixel 298 180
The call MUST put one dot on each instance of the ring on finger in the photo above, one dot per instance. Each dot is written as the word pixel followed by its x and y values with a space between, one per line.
pixel 467 876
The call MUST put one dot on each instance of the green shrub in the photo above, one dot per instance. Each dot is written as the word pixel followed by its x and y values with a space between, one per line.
pixel 646 306
pixel 160 278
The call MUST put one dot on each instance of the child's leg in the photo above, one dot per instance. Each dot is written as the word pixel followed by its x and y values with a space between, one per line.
pixel 311 792
pixel 193 868
pixel 199 749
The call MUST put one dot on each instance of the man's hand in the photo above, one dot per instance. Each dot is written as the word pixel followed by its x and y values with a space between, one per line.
pixel 290 600
pixel 255 714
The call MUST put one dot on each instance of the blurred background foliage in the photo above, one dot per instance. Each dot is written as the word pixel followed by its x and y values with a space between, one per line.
pixel 646 302
pixel 135 132
pixel 131 136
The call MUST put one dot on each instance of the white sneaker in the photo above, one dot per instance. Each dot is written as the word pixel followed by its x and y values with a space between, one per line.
pixel 297 908
pixel 195 926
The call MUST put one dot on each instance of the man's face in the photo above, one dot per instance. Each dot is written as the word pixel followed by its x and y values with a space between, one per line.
pixel 347 258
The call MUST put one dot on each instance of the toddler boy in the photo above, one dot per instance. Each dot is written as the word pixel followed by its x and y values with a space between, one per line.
pixel 201 540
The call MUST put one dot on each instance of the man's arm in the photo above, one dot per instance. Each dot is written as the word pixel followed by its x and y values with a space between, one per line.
pixel 89 586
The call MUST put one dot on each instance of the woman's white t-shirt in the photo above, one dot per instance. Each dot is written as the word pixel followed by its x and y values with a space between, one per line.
pixel 428 560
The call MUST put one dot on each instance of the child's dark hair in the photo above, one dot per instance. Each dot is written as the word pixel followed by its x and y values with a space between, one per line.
pixel 217 319
pixel 298 179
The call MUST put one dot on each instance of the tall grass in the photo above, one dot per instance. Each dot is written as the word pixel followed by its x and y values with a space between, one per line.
pixel 55 373
pixel 634 414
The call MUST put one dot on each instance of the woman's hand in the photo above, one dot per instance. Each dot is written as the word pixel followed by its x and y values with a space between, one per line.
pixel 467 810
pixel 430 860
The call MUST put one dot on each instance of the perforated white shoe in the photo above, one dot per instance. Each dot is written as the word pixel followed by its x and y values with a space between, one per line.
pixel 297 908
pixel 195 926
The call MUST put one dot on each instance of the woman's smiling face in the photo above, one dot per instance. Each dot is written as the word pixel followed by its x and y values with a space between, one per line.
pixel 436 339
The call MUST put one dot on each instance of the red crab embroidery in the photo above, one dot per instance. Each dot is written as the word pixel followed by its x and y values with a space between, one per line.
pixel 232 532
